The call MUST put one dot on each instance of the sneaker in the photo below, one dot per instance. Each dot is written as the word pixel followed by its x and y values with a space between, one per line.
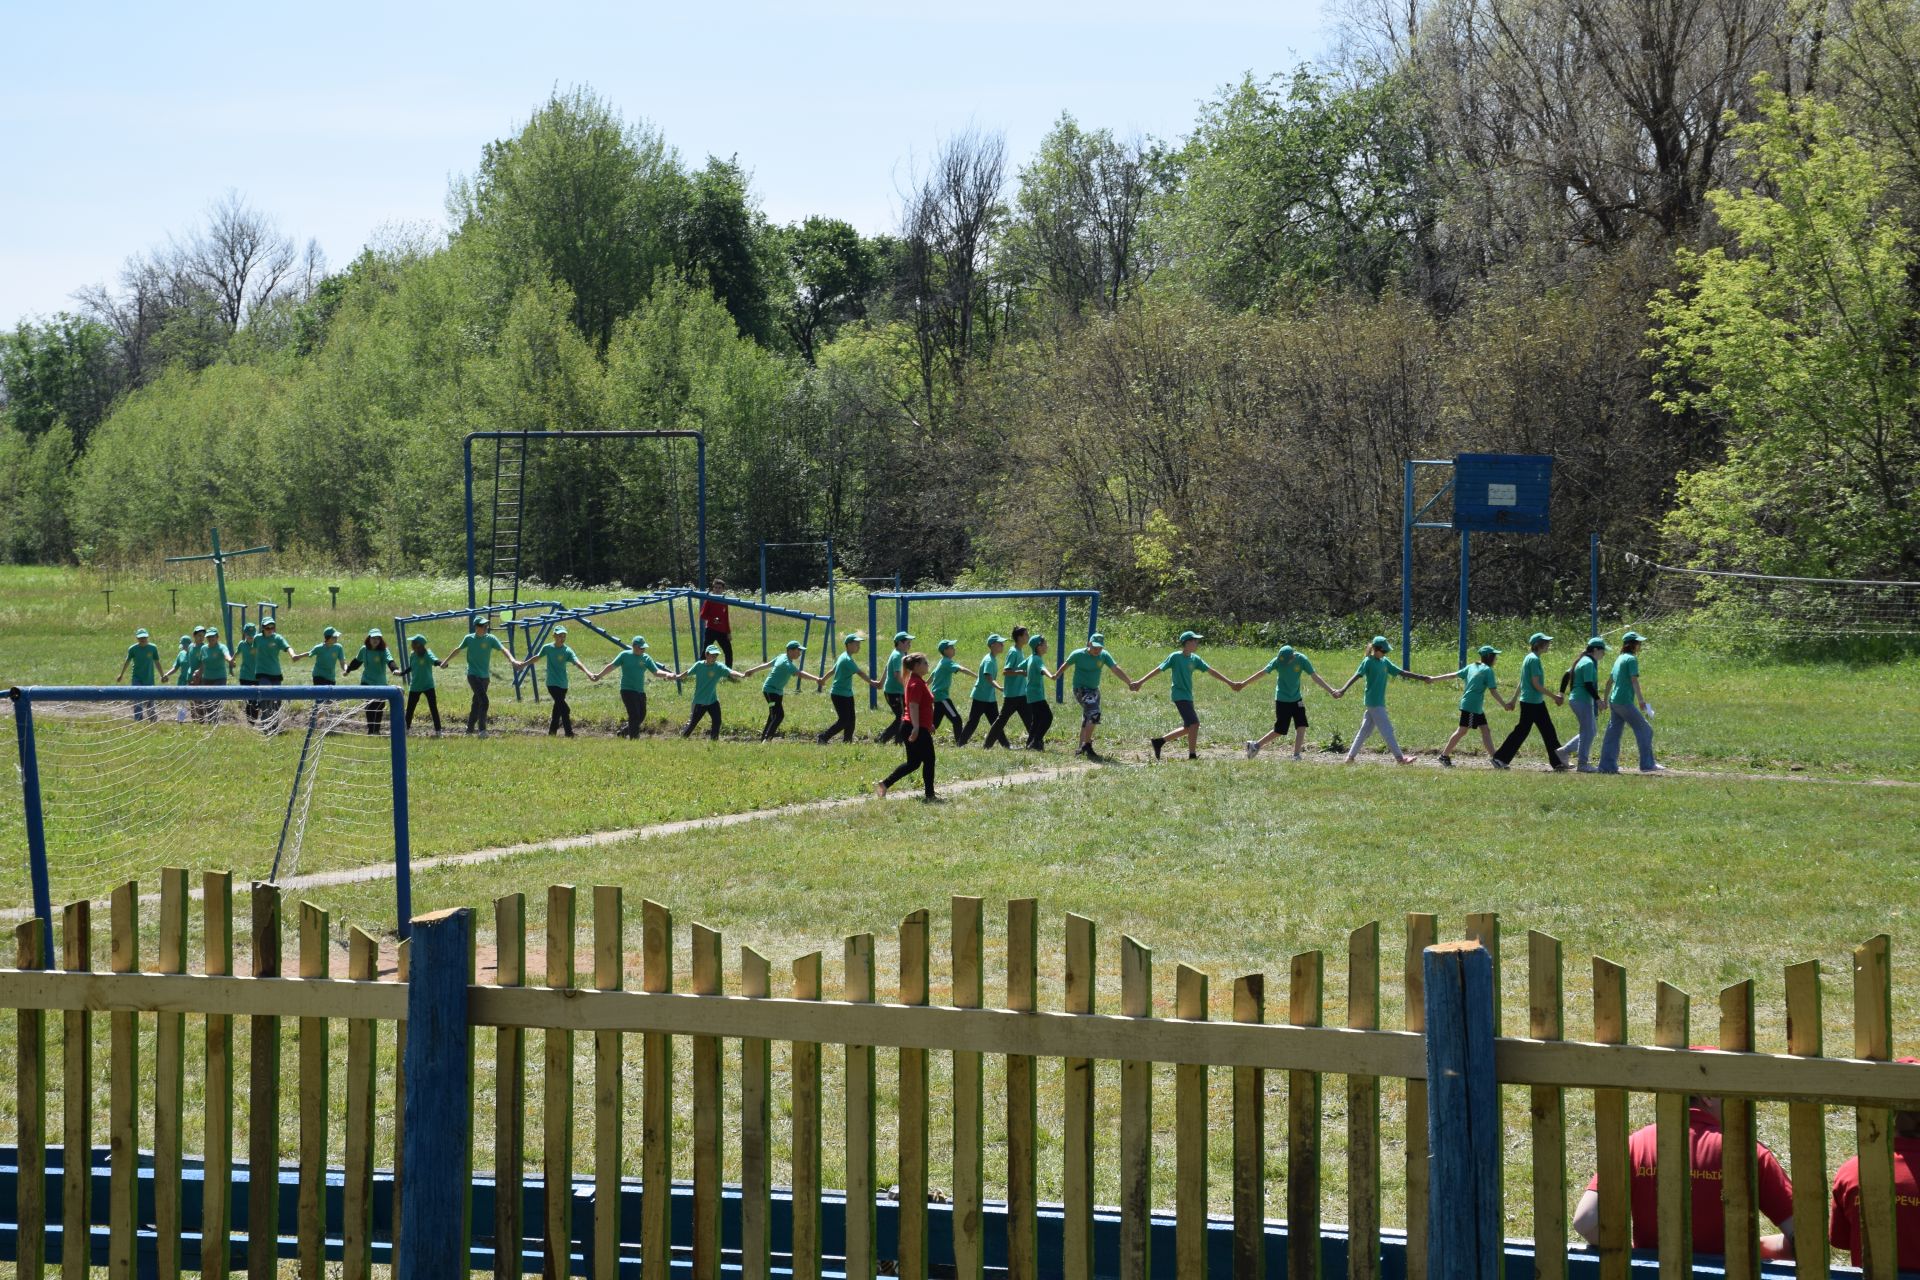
pixel 1659 768
pixel 933 799
pixel 1498 763
pixel 1253 749
pixel 1587 768
pixel 1298 756
pixel 1446 762
pixel 483 733
pixel 880 790
pixel 1095 756
pixel 1193 755
pixel 1156 744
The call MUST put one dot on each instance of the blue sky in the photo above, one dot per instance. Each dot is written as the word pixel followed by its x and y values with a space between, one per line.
pixel 120 122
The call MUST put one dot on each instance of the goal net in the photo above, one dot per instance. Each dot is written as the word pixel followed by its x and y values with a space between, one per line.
pixel 1753 609
pixel 112 784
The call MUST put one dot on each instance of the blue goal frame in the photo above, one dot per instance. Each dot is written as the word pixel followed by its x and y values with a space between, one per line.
pixel 903 607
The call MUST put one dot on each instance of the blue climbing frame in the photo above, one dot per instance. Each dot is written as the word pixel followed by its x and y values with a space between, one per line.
pixel 403 623
pixel 832 602
pixel 903 606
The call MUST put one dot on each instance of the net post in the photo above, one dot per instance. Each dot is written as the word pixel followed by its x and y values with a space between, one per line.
pixel 1593 584
pixel 763 601
pixel 402 835
pixel 1406 566
pixel 1466 556
pixel 36 822
pixel 1060 650
pixel 873 650
pixel 466 447
pixel 700 457
pixel 832 627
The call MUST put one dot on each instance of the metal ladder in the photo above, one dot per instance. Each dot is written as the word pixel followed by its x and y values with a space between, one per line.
pixel 509 492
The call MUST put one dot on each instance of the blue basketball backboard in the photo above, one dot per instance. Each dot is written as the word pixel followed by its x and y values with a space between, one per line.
pixel 1502 492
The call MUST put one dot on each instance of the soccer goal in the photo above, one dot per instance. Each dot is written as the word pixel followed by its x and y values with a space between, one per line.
pixel 1639 592
pixel 272 781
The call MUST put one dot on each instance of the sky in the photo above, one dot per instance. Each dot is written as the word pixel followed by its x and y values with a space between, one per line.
pixel 120 123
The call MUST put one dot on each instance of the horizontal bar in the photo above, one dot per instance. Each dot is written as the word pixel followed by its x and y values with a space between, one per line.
pixel 224 555
pixel 1431 462
pixel 1432 524
pixel 596 435
pixel 756 607
pixel 206 692
pixel 981 595
pixel 1765 577
pixel 444 614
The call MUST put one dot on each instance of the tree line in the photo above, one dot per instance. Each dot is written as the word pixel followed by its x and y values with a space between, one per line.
pixel 1670 244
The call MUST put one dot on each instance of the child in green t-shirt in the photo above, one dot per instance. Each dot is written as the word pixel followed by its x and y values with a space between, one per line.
pixel 1377 668
pixel 420 663
pixel 1181 664
pixel 788 666
pixel 1477 680
pixel 1289 708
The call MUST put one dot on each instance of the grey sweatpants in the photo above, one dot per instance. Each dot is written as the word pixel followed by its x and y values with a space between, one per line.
pixel 1624 714
pixel 1375 718
pixel 1581 742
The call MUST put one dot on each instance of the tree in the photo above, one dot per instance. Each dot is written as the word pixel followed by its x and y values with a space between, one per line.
pixel 724 241
pixel 830 272
pixel 1081 230
pixel 62 370
pixel 947 245
pixel 242 261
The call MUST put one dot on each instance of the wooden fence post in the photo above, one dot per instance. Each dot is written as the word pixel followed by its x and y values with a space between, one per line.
pixel 1463 1115
pixel 435 1208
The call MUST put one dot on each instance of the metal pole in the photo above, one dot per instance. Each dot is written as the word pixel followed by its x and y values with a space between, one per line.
pixel 220 578
pixel 873 650
pixel 832 620
pixel 402 831
pixel 1059 652
pixel 1464 557
pixel 763 600
pixel 467 448
pixel 1406 568
pixel 899 604
pixel 700 457
pixel 36 823
pixel 1593 584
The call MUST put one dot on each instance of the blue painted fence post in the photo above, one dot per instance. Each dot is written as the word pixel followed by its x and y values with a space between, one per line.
pixel 436 1199
pixel 1463 1115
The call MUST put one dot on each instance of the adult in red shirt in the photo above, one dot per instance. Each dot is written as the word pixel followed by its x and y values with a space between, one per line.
pixel 1845 1214
pixel 918 734
pixel 716 624
pixel 1709 1217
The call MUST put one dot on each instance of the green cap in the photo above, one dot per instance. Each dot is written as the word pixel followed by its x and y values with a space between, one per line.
pixel 483 621
pixel 639 642
pixel 1190 635
pixel 898 636
pixel 1286 651
pixel 247 630
pixel 375 634
pixel 1381 642
pixel 944 645
pixel 269 622
pixel 1096 641
pixel 199 630
pixel 795 644
pixel 1488 651
pixel 713 651
pixel 559 631
pixel 1596 642
pixel 1539 637
pixel 1631 637
pixel 329 633
pixel 852 637
pixel 1037 641
pixel 416 638
pixel 996 638
pixel 212 631
pixel 186 639
pixel 141 634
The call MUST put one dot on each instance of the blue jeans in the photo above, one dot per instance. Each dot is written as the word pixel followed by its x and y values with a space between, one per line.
pixel 1624 714
pixel 1582 742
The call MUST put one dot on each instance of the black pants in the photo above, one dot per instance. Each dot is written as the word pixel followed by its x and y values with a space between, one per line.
pixel 776 712
pixel 251 707
pixel 376 711
pixel 269 710
pixel 722 638
pixel 896 728
pixel 1039 720
pixel 322 680
pixel 1531 714
pixel 842 720
pixel 975 714
pixel 433 705
pixel 1009 708
pixel 635 701
pixel 700 712
pixel 562 717
pixel 944 710
pixel 477 713
pixel 919 756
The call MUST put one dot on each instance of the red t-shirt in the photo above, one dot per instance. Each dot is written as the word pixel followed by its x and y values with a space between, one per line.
pixel 1709 1218
pixel 714 617
pixel 918 695
pixel 1906 1204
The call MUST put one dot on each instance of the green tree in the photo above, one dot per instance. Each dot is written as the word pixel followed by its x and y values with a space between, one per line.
pixel 830 271
pixel 62 370
pixel 725 242
pixel 1080 235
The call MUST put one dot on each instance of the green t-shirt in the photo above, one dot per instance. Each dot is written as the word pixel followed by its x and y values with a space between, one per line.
pixel 892 683
pixel 266 653
pixel 845 668
pixel 706 681
pixel 983 690
pixel 328 659
pixel 1036 683
pixel 1478 678
pixel 633 670
pixel 145 658
pixel 1532 669
pixel 782 670
pixel 1014 682
pixel 1586 673
pixel 557 656
pixel 1376 670
pixel 1625 668
pixel 480 650
pixel 1087 666
pixel 940 679
pixel 214 662
pixel 420 670
pixel 246 656
pixel 373 665
pixel 1286 676
pixel 183 664
pixel 1180 666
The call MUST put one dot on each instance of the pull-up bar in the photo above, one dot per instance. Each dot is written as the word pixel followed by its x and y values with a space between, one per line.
pixel 903 602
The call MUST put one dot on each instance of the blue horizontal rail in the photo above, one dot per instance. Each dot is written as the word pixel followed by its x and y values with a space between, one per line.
pixel 207 693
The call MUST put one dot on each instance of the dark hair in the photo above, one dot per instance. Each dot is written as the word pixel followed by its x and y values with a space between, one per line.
pixel 1022 631
pixel 915 659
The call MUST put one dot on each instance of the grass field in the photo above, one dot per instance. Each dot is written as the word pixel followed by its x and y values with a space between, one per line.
pixel 1791 837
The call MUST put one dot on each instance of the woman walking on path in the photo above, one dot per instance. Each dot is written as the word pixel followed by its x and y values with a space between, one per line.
pixel 634 664
pixel 917 736
pixel 1039 710
pixel 1533 708
pixel 1289 708
pixel 707 675
pixel 420 664
pixel 143 655
pixel 1627 702
pixel 1479 680
pixel 1088 664
pixel 328 657
pixel 846 669
pixel 1182 663
pixel 559 655
pixel 983 704
pixel 1377 668
pixel 480 644
pixel 894 688
pixel 1583 695
pixel 716 622
pixel 940 683
pixel 1013 687
pixel 788 666
pixel 375 664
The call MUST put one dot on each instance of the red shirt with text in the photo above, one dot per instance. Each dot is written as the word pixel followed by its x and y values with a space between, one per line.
pixel 1709 1218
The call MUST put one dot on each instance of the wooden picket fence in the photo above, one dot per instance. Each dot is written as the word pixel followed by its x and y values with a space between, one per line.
pixel 571 1003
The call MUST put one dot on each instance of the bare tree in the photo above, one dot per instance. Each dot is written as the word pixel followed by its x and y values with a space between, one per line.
pixel 241 258
pixel 948 230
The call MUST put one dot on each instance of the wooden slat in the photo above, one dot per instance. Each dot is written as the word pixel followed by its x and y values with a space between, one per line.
pixel 30 1104
pixel 915 1103
pixel 1076 1157
pixel 969 1104
pixel 363 1103
pixel 609 1089
pixel 756 1130
pixel 1673 1192
pixel 1363 1110
pixel 806 1131
pixel 556 1094
pixel 708 1119
pixel 1547 1020
pixel 1739 1167
pixel 1423 931
pixel 169 1081
pixel 857 984
pixel 656 1103
pixel 76 1096
pixel 1610 1127
pixel 1304 1009
pixel 263 1097
pixel 1873 1039
pixel 1250 1142
pixel 123 1095
pixel 1136 1120
pixel 310 1228
pixel 1807 1128
pixel 1190 1136
pixel 1483 927
pixel 509 1093
pixel 1023 986
pixel 216 1205
pixel 403 969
